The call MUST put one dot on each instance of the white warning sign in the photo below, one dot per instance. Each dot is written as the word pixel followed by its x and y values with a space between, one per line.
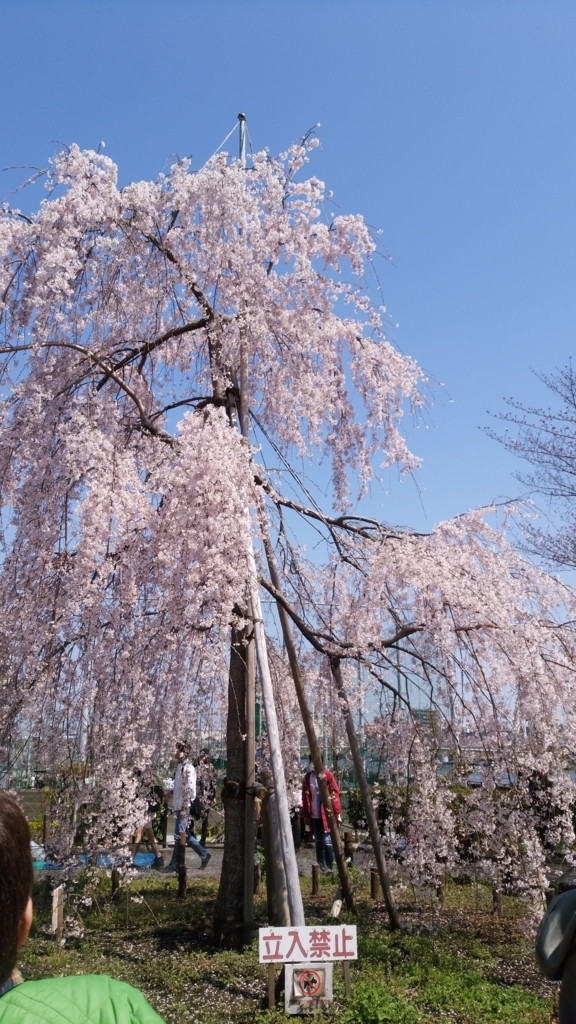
pixel 307 943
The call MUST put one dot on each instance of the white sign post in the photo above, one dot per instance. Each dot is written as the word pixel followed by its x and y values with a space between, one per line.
pixel 308 951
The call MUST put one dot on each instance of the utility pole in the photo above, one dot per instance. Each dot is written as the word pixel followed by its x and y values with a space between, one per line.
pixel 242 126
pixel 250 680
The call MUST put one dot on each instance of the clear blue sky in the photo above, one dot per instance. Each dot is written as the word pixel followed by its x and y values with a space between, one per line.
pixel 450 125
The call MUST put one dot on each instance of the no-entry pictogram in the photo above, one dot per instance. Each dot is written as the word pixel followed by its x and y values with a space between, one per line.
pixel 308 987
pixel 309 982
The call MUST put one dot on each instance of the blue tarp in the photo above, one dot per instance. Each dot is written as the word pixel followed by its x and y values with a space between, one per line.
pixel 141 860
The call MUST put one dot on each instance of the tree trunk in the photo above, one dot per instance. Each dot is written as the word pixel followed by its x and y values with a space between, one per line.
pixel 229 909
pixel 249 756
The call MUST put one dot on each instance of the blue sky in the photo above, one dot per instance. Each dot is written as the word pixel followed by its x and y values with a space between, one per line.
pixel 450 125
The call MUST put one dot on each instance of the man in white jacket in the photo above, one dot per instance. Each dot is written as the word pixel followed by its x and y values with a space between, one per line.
pixel 183 793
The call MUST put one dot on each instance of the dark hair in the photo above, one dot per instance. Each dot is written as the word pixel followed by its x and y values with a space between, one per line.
pixel 16 879
pixel 182 745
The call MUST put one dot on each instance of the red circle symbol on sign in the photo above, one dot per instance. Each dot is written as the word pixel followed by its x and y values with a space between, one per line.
pixel 309 982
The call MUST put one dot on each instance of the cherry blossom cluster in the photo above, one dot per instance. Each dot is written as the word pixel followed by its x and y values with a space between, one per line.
pixel 128 318
pixel 473 648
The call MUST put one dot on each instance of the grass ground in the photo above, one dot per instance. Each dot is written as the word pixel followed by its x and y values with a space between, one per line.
pixel 457 963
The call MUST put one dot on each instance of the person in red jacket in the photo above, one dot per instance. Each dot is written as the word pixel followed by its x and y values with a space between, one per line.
pixel 315 816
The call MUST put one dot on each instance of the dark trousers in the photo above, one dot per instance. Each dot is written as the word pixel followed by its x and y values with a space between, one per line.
pixel 323 840
pixel 296 830
pixel 567 1000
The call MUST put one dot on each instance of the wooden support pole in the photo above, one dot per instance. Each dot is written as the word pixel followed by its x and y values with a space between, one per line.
pixel 271 992
pixel 164 820
pixel 278 909
pixel 365 794
pixel 337 904
pixel 315 879
pixel 308 722
pixel 115 884
pixel 284 828
pixel 58 913
pixel 347 982
pixel 349 846
pixel 181 881
pixel 257 880
pixel 374 884
pixel 280 984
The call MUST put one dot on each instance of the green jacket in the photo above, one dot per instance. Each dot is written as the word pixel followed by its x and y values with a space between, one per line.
pixel 84 999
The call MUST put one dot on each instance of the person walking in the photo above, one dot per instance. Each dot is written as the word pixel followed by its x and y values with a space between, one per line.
pixel 205 793
pixel 183 793
pixel 154 795
pixel 315 816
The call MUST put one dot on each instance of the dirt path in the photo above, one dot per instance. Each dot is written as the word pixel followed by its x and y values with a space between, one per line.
pixel 305 857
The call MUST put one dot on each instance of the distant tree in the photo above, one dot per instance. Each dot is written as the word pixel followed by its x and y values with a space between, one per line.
pixel 545 438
